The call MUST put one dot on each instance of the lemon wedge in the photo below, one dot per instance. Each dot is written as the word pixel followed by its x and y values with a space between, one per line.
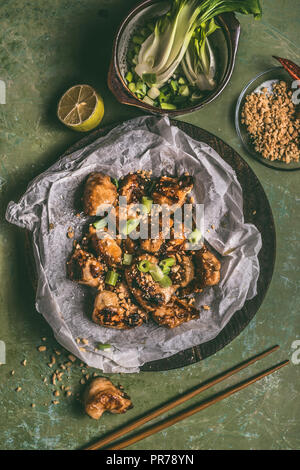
pixel 81 108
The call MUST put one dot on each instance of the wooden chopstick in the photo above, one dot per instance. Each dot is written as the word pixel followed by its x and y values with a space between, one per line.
pixel 196 409
pixel 178 401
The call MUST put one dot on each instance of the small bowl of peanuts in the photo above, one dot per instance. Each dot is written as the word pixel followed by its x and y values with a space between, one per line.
pixel 267 119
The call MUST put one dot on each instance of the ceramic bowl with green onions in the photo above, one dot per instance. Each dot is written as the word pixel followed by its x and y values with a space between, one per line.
pixel 175 56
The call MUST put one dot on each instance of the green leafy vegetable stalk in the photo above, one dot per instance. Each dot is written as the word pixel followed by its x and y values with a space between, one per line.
pixel 187 21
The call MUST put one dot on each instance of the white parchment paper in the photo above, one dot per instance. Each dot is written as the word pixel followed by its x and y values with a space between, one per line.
pixel 147 143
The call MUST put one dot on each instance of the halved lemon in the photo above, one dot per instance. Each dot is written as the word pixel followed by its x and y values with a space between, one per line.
pixel 81 108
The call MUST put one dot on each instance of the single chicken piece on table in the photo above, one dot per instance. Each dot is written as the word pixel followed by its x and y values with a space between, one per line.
pixel 101 395
pixel 115 309
pixel 99 190
pixel 84 268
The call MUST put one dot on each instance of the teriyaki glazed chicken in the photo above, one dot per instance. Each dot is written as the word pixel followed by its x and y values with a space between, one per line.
pixel 138 279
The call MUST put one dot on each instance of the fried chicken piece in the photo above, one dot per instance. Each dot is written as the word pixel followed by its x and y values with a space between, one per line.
pixel 116 310
pixel 176 242
pixel 208 266
pixel 153 245
pixel 107 248
pixel 84 268
pixel 207 272
pixel 98 190
pixel 129 245
pixel 148 293
pixel 172 191
pixel 174 313
pixel 101 395
pixel 133 187
pixel 183 272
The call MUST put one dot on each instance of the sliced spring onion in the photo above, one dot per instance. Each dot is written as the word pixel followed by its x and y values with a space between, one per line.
pixel 103 346
pixel 141 87
pixel 129 76
pixel 153 93
pixel 174 85
pixel 167 106
pixel 131 224
pixel 166 264
pixel 195 236
pixel 156 272
pixel 165 281
pixel 127 259
pixel 147 204
pixel 144 266
pixel 111 278
pixel 166 270
pixel 101 223
pixel 132 87
pixel 159 276
pixel 184 90
pixel 148 100
pixel 116 182
pixel 164 97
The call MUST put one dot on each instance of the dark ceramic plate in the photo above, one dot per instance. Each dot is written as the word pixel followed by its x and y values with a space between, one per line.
pixel 256 211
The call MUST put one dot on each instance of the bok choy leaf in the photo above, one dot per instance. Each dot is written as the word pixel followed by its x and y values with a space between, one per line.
pixel 163 50
pixel 199 63
pixel 186 21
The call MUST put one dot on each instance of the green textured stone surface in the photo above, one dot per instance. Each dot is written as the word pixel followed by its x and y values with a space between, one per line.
pixel 46 47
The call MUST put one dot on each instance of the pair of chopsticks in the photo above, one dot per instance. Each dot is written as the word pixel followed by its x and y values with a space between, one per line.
pixel 182 399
